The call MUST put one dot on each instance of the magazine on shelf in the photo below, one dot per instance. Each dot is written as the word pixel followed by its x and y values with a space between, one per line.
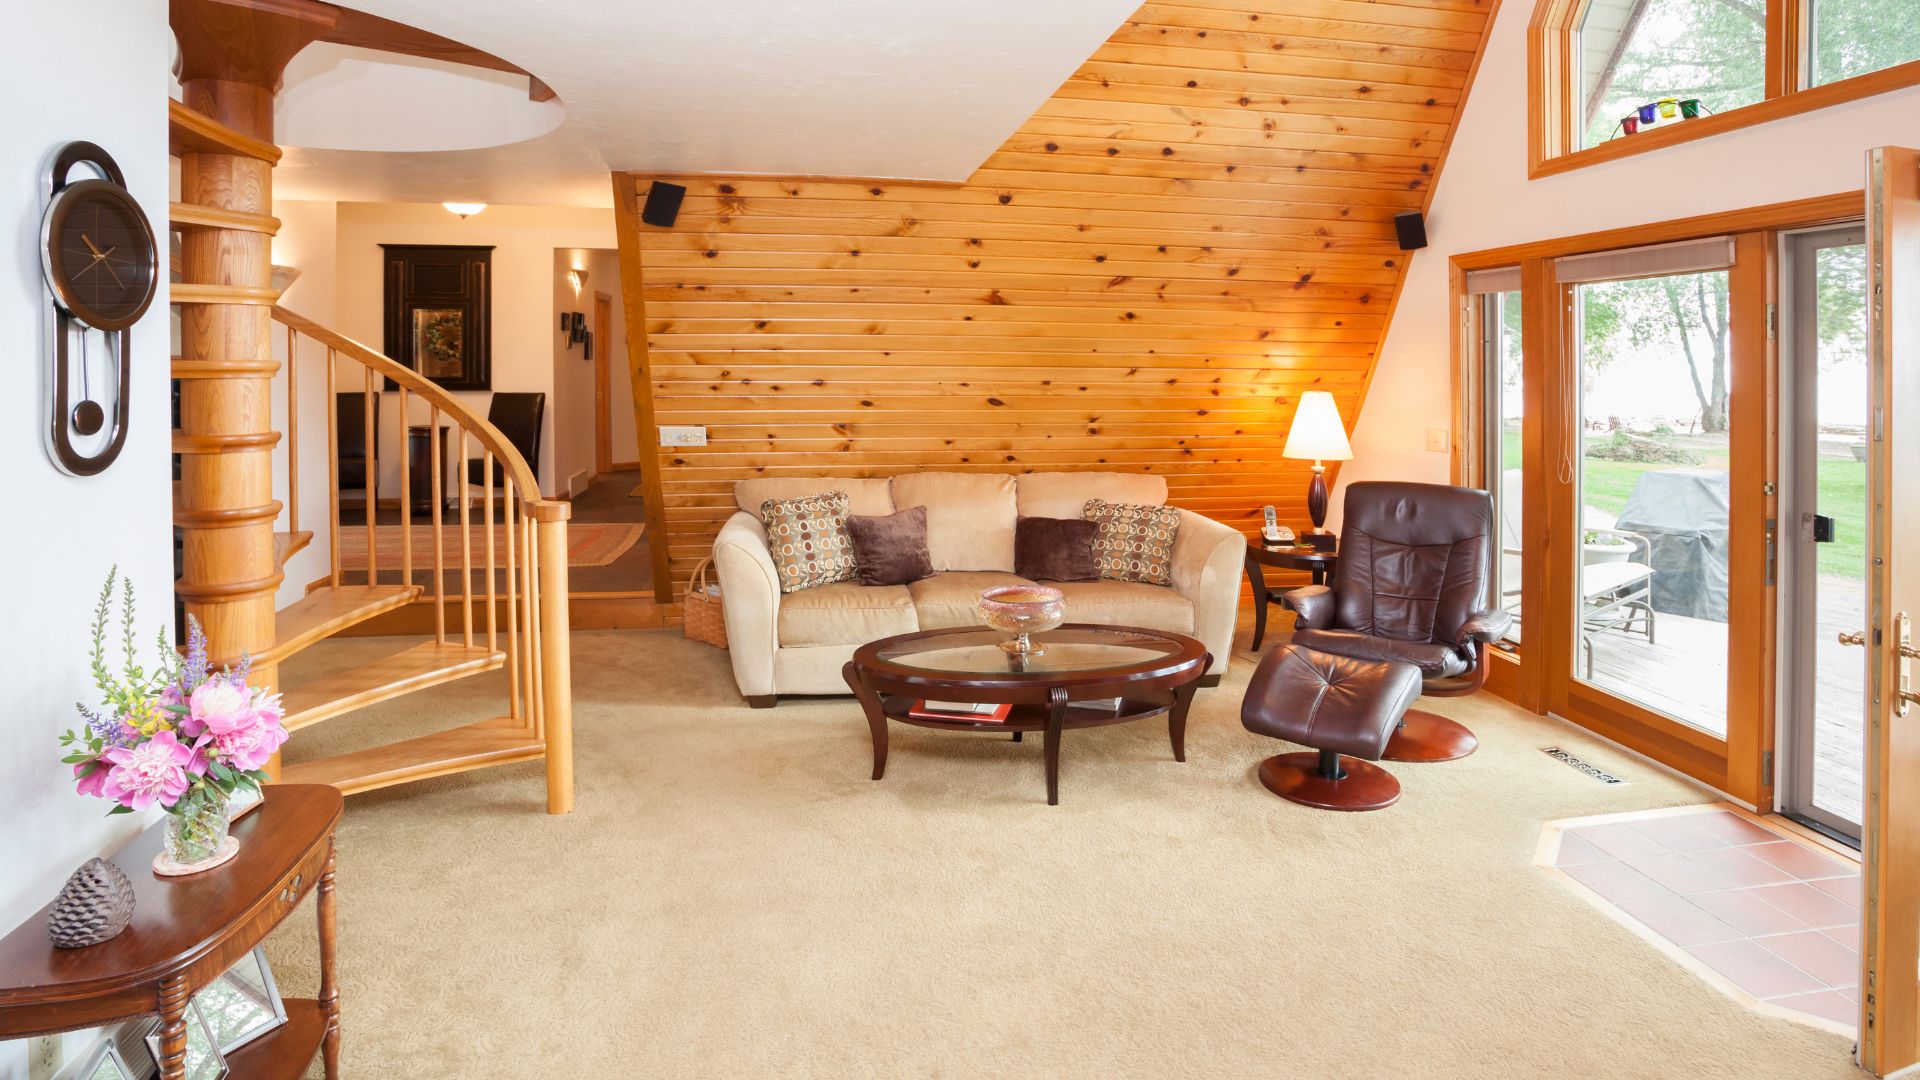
pixel 977 712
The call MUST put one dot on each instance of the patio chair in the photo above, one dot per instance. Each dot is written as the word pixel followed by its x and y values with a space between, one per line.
pixel 1616 595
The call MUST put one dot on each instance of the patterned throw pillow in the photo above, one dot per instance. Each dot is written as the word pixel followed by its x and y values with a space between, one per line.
pixel 809 538
pixel 1135 542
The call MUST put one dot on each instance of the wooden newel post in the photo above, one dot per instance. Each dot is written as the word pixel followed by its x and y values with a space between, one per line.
pixel 556 659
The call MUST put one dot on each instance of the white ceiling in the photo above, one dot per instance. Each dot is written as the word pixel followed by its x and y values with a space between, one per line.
pixel 921 89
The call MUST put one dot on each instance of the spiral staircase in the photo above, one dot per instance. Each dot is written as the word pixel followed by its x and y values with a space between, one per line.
pixel 497 576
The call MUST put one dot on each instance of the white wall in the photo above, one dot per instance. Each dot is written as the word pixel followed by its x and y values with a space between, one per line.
pixel 524 322
pixel 1485 200
pixel 573 406
pixel 66 532
pixel 305 242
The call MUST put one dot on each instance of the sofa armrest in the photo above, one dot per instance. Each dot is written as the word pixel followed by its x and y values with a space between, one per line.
pixel 1486 627
pixel 1208 558
pixel 750 596
pixel 1312 606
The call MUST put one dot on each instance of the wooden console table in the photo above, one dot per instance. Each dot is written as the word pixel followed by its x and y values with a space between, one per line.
pixel 185 933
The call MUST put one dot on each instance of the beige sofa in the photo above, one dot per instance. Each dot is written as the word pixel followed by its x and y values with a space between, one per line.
pixel 796 643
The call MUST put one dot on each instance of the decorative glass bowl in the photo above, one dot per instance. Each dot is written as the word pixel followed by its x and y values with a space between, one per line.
pixel 1022 610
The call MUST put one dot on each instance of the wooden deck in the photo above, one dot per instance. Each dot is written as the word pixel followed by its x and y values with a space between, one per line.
pixel 1684 675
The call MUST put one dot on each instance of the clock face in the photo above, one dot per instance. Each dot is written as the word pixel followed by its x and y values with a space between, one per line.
pixel 100 255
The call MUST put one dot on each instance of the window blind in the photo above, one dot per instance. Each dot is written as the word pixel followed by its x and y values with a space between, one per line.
pixel 1658 260
pixel 1497 280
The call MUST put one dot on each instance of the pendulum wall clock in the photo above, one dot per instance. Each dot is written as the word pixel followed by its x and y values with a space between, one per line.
pixel 101 263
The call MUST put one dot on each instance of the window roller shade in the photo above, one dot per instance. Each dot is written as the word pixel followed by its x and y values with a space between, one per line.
pixel 1498 280
pixel 1659 260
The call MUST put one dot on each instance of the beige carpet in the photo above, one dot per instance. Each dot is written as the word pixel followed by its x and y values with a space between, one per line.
pixel 734 898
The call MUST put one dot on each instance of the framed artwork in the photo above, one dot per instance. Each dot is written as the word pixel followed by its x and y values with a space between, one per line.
pixel 204 1060
pixel 588 342
pixel 439 311
pixel 243 1004
pixel 101 1062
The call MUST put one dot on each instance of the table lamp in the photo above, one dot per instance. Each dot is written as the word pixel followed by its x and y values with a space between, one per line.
pixel 1317 435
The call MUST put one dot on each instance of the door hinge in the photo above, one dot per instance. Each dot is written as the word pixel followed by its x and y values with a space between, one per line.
pixel 1766 769
pixel 1773 321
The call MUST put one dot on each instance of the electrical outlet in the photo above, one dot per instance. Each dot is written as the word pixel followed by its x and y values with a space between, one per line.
pixel 682 436
pixel 1437 440
pixel 43 1057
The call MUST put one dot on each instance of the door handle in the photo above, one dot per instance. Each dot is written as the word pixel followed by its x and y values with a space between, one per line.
pixel 1858 637
pixel 1822 529
pixel 1904 654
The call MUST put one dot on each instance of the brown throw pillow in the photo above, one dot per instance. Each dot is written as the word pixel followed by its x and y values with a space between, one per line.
pixel 890 549
pixel 1136 542
pixel 1055 549
pixel 809 541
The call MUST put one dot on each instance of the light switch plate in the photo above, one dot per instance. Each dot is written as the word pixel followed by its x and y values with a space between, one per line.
pixel 1437 440
pixel 682 436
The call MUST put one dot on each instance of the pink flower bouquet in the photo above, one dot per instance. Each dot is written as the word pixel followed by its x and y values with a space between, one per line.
pixel 180 738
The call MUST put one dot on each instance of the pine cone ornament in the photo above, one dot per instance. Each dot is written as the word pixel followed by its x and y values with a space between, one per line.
pixel 95 904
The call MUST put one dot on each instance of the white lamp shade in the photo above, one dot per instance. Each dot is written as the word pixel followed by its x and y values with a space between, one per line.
pixel 1317 433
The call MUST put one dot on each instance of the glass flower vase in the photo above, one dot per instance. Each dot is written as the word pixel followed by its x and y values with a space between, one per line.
pixel 196 829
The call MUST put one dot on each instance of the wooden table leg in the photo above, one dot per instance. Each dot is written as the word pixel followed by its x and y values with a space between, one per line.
pixel 329 987
pixel 876 715
pixel 1258 579
pixel 172 1003
pixel 1177 715
pixel 1056 715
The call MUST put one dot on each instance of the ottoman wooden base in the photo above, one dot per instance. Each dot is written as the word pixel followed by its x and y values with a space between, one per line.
pixel 1427 737
pixel 1302 778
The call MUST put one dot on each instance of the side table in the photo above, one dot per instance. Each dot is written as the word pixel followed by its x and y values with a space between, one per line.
pixel 1284 557
pixel 186 932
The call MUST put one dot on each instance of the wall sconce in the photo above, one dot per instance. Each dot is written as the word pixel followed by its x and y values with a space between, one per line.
pixel 464 210
pixel 579 279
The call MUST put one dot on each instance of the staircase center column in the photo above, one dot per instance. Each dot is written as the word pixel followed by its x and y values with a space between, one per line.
pixel 231 59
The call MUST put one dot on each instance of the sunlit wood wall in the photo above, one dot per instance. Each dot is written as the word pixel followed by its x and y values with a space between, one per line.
pixel 1193 230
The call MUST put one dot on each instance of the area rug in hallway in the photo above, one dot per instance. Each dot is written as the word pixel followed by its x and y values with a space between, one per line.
pixel 734 898
pixel 588 544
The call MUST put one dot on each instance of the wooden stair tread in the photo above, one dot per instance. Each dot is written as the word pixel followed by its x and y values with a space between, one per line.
pixel 190 132
pixel 288 544
pixel 499 741
pixel 327 611
pixel 195 216
pixel 390 677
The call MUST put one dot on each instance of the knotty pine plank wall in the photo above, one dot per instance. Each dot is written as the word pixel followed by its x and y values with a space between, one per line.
pixel 1192 231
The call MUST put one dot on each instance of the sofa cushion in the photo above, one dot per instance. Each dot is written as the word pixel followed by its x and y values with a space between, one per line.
pixel 953 598
pixel 846 613
pixel 890 549
pixel 1065 494
pixel 1126 603
pixel 863 496
pixel 809 540
pixel 1058 549
pixel 1136 542
pixel 969 517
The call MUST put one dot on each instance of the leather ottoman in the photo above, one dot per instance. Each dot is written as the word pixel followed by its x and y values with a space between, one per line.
pixel 1346 709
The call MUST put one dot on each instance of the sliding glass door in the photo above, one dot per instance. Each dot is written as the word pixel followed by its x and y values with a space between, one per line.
pixel 1651 484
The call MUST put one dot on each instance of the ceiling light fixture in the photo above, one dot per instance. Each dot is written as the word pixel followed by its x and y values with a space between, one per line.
pixel 464 210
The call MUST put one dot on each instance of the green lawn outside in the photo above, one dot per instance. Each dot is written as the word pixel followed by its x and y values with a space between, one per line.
pixel 1843 495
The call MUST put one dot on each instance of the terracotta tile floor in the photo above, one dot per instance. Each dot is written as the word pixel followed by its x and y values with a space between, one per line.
pixel 1777 918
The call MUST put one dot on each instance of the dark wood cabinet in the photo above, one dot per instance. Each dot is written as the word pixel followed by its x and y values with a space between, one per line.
pixel 439 312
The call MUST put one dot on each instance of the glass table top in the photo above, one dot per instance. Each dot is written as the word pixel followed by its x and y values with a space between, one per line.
pixel 974 652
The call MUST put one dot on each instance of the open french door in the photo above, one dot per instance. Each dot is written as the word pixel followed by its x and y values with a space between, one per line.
pixel 1890 1004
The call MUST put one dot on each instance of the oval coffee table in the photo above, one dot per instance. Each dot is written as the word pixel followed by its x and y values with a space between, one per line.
pixel 1150 671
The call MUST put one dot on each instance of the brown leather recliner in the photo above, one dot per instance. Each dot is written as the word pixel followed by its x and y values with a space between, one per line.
pixel 1412 586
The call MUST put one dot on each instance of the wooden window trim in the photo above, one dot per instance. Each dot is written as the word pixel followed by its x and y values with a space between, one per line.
pixel 1735 765
pixel 1552 45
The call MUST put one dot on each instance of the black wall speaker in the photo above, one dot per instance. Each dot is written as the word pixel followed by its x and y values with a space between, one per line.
pixel 663 204
pixel 1410 227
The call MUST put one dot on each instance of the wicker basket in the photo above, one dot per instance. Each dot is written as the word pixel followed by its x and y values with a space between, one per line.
pixel 705 617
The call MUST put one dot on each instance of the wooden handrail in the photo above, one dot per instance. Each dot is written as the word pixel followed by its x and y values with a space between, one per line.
pixel 503 450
